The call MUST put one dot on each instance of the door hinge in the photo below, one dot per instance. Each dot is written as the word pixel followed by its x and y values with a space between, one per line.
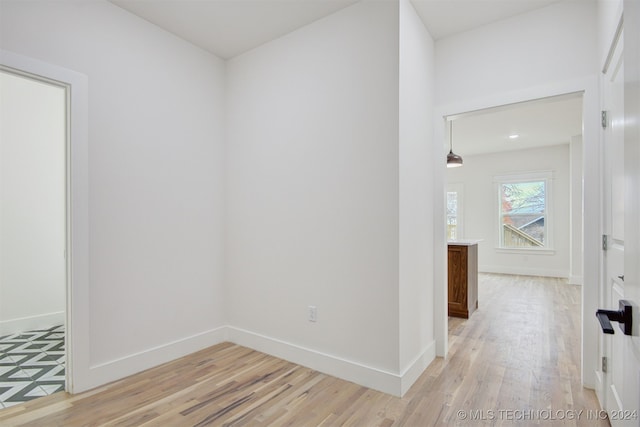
pixel 604 364
pixel 604 242
pixel 604 119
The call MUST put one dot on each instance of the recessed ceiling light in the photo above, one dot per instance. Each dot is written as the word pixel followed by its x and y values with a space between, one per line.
pixel 514 136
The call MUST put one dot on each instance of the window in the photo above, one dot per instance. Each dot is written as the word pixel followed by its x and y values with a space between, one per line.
pixel 523 206
pixel 452 215
pixel 454 211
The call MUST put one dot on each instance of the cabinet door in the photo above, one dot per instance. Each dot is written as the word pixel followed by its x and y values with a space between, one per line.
pixel 457 266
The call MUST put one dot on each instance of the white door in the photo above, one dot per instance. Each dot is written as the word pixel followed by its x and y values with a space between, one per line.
pixel 613 180
pixel 619 393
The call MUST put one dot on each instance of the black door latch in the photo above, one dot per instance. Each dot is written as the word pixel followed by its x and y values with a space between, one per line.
pixel 623 316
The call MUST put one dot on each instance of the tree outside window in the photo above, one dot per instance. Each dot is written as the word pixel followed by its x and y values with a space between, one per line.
pixel 523 214
pixel 452 215
pixel 455 211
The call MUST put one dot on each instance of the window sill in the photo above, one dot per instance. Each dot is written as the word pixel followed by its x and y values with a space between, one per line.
pixel 532 251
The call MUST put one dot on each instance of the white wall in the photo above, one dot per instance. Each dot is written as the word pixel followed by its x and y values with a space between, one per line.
pixel 551 44
pixel 330 188
pixel 417 160
pixel 313 192
pixel 32 204
pixel 480 213
pixel 156 177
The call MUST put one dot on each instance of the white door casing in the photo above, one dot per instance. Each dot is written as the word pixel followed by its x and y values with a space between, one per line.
pixel 78 371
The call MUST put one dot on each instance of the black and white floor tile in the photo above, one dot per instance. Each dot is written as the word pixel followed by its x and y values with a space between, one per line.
pixel 31 365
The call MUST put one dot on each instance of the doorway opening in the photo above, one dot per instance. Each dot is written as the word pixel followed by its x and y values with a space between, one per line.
pixel 521 186
pixel 34 236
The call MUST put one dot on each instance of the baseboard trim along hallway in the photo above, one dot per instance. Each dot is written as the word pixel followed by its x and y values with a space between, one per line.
pixel 377 379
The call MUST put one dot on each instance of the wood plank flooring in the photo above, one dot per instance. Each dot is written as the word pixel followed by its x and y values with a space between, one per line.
pixel 515 361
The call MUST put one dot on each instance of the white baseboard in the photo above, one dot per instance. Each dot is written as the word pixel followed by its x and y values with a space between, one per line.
pixel 107 372
pixel 378 379
pixel 412 372
pixel 523 271
pixel 41 321
pixel 597 386
pixel 371 377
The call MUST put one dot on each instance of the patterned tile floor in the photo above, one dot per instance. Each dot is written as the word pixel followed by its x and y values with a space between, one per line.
pixel 31 365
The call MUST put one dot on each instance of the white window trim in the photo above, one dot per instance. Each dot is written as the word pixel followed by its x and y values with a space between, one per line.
pixel 544 175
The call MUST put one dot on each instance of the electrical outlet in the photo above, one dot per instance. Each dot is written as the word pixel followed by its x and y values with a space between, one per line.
pixel 313 313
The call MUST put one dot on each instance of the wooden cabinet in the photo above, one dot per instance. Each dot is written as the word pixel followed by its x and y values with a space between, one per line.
pixel 463 279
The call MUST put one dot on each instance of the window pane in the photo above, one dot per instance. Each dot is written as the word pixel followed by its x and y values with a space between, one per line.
pixel 452 215
pixel 523 214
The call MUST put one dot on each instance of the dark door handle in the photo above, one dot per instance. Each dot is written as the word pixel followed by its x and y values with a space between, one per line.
pixel 605 323
pixel 623 316
pixel 621 277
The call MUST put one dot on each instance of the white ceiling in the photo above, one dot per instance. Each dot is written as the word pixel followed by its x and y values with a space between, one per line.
pixel 545 122
pixel 228 28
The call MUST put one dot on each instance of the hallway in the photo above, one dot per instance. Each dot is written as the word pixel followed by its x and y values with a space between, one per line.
pixel 520 352
pixel 516 359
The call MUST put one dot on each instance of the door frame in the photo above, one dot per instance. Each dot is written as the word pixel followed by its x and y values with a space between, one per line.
pixel 77 212
pixel 589 87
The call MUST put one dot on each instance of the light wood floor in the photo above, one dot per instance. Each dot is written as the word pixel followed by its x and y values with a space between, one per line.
pixel 515 361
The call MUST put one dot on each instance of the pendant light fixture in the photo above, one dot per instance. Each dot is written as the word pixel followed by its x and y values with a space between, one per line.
pixel 453 160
